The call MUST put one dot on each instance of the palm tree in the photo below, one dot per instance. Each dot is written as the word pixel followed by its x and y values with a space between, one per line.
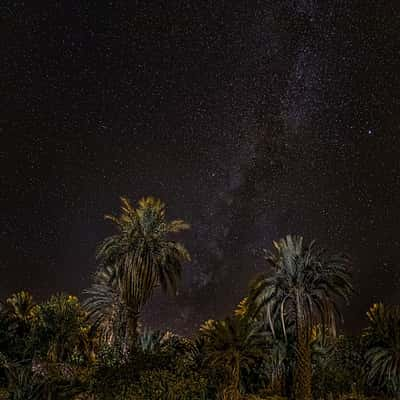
pixel 382 338
pixel 142 257
pixel 232 345
pixel 304 289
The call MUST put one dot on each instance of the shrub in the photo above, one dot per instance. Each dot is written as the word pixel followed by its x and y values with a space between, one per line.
pixel 164 385
pixel 61 331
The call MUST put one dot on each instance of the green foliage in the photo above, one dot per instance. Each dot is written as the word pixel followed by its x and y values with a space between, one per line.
pixel 257 378
pixel 150 341
pixel 61 331
pixel 232 346
pixel 108 383
pixel 178 353
pixel 109 356
pixel 50 382
pixel 382 339
pixel 339 368
pixel 22 383
pixel 165 385
pixel 51 351
pixel 19 308
pixel 273 373
pixel 17 317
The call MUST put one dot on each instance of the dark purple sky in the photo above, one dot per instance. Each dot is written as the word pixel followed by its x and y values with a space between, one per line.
pixel 250 122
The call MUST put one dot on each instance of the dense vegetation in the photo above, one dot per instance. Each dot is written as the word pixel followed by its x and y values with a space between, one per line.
pixel 280 342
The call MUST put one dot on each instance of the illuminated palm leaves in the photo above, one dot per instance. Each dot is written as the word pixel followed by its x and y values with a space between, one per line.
pixel 382 338
pixel 141 257
pixel 19 308
pixel 305 285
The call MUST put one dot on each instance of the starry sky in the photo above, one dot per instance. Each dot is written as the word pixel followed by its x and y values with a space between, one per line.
pixel 250 121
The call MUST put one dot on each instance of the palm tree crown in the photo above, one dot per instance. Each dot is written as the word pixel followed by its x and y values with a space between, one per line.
pixel 305 285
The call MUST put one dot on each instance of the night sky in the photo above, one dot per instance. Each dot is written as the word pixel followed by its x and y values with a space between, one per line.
pixel 250 121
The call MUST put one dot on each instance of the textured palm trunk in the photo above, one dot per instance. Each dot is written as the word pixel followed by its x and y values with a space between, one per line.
pixel 302 379
pixel 302 373
pixel 230 393
pixel 131 331
pixel 303 370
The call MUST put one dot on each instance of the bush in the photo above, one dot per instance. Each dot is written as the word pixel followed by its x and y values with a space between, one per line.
pixel 164 385
pixel 61 330
pixel 254 397
pixel 343 370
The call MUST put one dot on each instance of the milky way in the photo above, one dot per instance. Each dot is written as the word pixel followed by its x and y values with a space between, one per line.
pixel 250 123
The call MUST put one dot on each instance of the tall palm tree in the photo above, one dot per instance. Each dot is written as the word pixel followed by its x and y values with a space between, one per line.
pixel 382 339
pixel 143 256
pixel 304 289
pixel 232 345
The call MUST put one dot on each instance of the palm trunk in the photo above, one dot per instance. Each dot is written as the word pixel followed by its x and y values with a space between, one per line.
pixel 302 373
pixel 131 329
pixel 231 391
pixel 303 369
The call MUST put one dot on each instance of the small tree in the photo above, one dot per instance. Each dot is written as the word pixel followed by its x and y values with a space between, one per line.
pixel 232 345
